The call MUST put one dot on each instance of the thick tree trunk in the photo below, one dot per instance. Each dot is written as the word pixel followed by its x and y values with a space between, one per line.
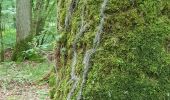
pixel 114 47
pixel 23 25
pixel 23 19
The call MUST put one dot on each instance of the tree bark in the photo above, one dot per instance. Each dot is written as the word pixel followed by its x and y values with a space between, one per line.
pixel 23 19
pixel 1 36
pixel 23 27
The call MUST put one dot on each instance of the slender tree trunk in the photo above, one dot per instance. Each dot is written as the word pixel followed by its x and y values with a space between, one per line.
pixel 1 36
pixel 41 12
pixel 14 17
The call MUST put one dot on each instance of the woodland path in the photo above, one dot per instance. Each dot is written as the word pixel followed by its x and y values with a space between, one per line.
pixel 18 81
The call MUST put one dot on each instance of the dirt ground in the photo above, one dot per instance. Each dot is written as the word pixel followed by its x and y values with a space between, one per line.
pixel 24 91
pixel 15 83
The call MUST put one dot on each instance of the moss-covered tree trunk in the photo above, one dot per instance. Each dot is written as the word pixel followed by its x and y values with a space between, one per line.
pixel 78 23
pixel 23 25
pixel 111 51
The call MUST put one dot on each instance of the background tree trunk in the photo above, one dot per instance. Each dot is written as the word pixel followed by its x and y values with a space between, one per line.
pixel 1 36
pixel 23 27
pixel 23 19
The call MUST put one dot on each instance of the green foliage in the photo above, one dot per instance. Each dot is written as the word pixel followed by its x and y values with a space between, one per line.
pixel 8 13
pixel 24 72
pixel 20 47
pixel 9 38
pixel 37 52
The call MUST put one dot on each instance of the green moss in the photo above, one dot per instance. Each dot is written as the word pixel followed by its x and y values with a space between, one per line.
pixel 131 62
pixel 52 84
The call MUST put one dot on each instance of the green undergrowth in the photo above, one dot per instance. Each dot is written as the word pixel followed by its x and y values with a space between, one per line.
pixel 23 78
pixel 23 72
pixel 9 38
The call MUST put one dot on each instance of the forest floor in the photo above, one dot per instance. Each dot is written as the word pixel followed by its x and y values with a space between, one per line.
pixel 18 81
